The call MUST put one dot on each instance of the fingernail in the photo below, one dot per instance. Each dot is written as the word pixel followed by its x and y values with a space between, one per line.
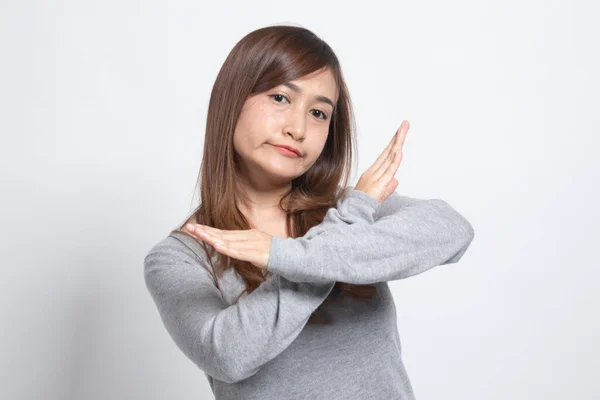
pixel 190 227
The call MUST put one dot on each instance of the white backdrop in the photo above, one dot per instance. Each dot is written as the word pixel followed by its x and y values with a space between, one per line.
pixel 103 106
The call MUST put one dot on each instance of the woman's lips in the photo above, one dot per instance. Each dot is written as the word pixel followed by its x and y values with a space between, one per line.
pixel 286 152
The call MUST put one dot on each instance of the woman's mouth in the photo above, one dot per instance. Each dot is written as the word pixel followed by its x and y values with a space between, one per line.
pixel 286 152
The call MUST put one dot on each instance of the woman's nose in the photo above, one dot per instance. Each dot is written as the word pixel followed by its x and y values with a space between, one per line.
pixel 295 127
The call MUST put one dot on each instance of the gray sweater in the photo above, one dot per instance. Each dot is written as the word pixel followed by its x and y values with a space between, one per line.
pixel 262 347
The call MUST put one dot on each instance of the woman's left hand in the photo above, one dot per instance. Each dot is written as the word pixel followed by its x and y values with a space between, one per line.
pixel 252 245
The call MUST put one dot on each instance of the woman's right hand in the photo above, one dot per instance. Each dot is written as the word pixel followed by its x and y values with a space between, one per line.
pixel 379 181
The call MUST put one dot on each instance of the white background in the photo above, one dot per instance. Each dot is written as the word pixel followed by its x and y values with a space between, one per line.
pixel 103 106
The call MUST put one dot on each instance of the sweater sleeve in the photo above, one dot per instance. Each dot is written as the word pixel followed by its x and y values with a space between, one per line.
pixel 228 342
pixel 363 242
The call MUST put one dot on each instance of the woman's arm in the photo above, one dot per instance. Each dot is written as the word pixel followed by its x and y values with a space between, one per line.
pixel 349 211
pixel 228 342
pixel 361 242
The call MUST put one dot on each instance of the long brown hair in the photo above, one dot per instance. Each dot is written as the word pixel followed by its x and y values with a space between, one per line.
pixel 261 60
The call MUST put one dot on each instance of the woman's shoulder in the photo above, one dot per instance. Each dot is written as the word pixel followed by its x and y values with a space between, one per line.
pixel 175 253
pixel 178 244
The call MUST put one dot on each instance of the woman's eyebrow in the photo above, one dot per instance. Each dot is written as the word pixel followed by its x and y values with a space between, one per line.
pixel 297 89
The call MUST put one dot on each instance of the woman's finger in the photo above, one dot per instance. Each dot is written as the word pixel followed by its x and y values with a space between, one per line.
pixel 234 235
pixel 221 246
pixel 393 167
pixel 206 236
pixel 385 153
pixel 397 148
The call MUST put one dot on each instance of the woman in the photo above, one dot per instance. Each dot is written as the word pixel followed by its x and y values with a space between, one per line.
pixel 276 286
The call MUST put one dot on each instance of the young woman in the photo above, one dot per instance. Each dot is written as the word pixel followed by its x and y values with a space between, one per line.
pixel 276 285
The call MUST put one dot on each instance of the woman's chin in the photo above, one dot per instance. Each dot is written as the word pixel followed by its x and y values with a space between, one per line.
pixel 280 174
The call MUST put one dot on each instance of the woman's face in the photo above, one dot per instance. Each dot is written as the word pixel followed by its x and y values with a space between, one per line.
pixel 296 114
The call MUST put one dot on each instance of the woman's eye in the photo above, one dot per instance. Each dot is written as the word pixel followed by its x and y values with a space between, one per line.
pixel 276 97
pixel 322 114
